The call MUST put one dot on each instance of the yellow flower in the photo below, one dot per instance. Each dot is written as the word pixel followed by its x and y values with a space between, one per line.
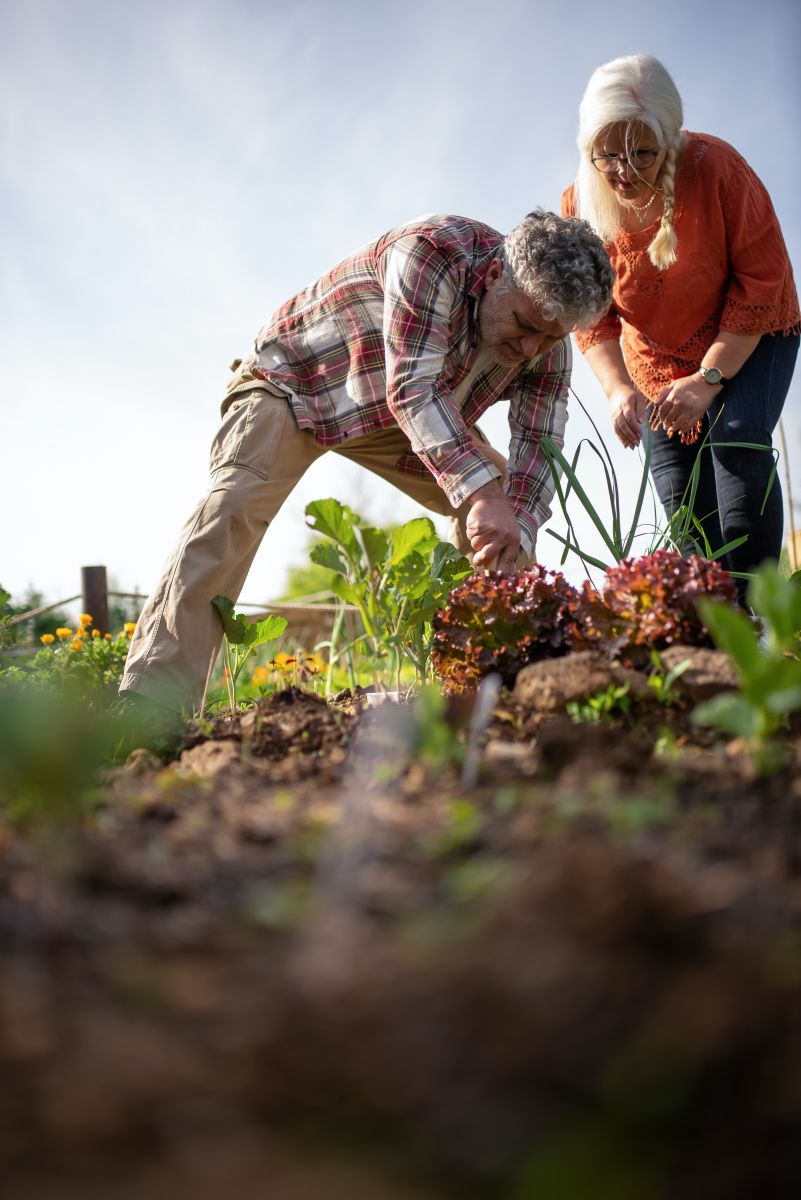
pixel 85 619
pixel 260 675
pixel 129 627
pixel 76 644
pixel 62 634
pixel 96 633
pixel 47 638
pixel 283 662
pixel 80 633
pixel 107 637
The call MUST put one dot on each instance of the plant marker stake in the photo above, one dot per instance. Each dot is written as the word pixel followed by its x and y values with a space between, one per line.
pixel 482 715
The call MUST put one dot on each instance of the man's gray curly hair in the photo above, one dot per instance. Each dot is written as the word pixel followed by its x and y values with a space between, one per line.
pixel 560 264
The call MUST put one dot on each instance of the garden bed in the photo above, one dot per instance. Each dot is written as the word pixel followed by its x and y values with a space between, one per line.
pixel 306 960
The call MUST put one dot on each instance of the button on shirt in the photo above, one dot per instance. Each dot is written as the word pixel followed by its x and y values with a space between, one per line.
pixel 390 336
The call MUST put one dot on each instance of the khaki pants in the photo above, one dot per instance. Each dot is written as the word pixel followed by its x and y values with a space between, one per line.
pixel 257 457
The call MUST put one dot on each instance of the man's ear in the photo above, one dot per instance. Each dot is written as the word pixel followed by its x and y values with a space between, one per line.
pixel 494 272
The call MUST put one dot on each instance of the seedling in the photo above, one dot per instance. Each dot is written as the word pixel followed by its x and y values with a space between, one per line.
pixel 770 675
pixel 614 701
pixel 241 639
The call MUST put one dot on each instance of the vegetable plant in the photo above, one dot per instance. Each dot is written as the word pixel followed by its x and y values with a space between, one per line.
pixel 500 622
pixel 656 597
pixel 767 663
pixel 682 531
pixel 396 579
pixel 241 639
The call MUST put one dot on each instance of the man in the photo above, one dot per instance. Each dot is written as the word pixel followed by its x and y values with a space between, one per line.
pixel 389 359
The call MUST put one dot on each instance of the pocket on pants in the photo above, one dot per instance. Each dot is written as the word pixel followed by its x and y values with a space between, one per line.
pixel 249 433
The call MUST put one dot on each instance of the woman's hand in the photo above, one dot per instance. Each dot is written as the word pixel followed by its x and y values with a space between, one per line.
pixel 683 403
pixel 627 407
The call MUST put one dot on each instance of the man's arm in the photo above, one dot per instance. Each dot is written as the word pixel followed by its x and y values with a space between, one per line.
pixel 421 290
pixel 538 408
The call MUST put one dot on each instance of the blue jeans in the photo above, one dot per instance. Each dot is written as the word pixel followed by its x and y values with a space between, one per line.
pixel 735 496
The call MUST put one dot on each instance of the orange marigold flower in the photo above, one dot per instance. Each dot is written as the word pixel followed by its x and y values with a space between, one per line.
pixel 63 633
pixel 260 675
pixel 96 633
pixel 47 639
pixel 85 619
pixel 76 644
pixel 129 627
pixel 107 637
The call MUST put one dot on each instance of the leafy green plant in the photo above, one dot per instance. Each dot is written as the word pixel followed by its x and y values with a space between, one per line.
pixel 395 579
pixel 7 635
pixel 656 597
pixel 770 673
pixel 661 682
pixel 79 662
pixel 614 701
pixel 682 531
pixel 241 639
pixel 499 622
pixel 616 538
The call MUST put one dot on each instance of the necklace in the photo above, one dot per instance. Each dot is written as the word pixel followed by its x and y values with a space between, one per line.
pixel 641 210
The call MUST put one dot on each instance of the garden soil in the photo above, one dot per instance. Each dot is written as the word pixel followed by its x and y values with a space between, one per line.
pixel 305 960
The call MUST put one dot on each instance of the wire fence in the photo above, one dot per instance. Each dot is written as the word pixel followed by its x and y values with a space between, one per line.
pixel 309 617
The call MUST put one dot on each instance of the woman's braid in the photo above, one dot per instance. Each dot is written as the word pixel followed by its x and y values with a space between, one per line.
pixel 662 250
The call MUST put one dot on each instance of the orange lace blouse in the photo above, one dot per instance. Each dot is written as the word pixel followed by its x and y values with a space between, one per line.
pixel 732 273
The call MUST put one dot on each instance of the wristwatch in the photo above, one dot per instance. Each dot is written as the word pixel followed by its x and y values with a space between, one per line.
pixel 711 375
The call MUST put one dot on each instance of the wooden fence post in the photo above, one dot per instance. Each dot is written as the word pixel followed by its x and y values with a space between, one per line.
pixel 94 587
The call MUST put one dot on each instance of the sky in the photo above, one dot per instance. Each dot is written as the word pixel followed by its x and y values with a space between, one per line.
pixel 172 171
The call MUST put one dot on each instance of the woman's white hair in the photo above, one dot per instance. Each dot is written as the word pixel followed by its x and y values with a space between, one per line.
pixel 635 90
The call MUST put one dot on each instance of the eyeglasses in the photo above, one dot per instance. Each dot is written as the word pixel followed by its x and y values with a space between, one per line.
pixel 640 160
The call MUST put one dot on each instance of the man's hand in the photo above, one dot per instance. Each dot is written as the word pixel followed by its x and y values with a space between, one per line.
pixel 627 409
pixel 492 528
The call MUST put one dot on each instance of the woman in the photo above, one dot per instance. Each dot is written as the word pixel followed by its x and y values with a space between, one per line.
pixel 704 326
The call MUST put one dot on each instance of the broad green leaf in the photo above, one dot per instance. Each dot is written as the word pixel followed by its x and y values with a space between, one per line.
pixel 265 630
pixel 777 685
pixel 326 555
pixel 374 545
pixel 346 591
pixel 733 632
pixel 784 701
pixel 336 521
pixel 778 601
pixel 448 563
pixel 233 625
pixel 731 713
pixel 409 579
pixel 411 536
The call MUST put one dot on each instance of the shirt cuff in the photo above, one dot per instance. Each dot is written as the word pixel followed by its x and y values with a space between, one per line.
pixel 466 476
pixel 528 533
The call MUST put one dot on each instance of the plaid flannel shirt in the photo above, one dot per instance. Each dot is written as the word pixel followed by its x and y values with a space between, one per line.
pixel 389 335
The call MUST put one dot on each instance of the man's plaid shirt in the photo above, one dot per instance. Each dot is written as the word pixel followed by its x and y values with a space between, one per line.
pixel 389 335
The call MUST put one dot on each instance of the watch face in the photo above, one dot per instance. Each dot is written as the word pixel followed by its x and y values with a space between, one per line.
pixel 712 375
